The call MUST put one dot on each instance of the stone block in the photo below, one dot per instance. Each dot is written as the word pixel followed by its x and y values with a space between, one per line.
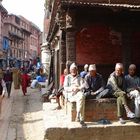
pixel 95 109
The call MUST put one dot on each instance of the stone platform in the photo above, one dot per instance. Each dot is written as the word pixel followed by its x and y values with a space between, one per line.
pixel 95 109
pixel 58 127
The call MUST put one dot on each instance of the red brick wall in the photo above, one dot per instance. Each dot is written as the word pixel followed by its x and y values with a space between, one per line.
pixel 94 45
pixel 136 47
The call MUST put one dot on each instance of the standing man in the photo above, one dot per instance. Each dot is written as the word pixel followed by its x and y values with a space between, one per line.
pixel 73 92
pixel 93 83
pixel 8 78
pixel 133 89
pixel 117 84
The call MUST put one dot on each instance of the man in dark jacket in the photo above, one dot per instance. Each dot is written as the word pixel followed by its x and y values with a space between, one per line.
pixel 8 80
pixel 93 83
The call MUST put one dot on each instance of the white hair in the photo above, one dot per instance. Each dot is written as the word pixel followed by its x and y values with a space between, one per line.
pixel 132 66
pixel 119 65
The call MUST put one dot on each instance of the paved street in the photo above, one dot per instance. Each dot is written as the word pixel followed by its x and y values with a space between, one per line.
pixel 22 117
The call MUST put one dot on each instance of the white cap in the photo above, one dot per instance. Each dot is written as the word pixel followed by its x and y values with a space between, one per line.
pixel 132 66
pixel 86 66
pixel 72 66
pixel 92 67
pixel 119 66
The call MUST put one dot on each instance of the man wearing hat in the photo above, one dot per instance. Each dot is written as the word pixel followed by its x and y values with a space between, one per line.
pixel 93 83
pixel 73 92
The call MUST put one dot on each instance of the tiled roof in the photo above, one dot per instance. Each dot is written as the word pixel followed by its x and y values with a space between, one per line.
pixel 71 2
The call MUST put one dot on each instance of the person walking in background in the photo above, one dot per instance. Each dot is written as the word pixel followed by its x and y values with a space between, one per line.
pixel 25 81
pixel 116 82
pixel 2 92
pixel 8 80
pixel 16 78
pixel 1 73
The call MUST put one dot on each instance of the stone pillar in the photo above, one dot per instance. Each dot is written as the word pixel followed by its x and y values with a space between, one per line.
pixel 62 52
pixel 70 37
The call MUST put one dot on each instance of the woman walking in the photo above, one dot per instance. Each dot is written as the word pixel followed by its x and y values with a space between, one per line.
pixel 25 80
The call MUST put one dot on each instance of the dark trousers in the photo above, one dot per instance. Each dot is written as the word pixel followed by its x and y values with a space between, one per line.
pixel 8 86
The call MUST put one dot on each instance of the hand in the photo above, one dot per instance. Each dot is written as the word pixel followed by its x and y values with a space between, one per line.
pixel 75 89
pixel 93 93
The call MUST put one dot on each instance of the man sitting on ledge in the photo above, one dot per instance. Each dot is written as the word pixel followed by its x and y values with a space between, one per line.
pixel 73 92
pixel 117 84
pixel 94 84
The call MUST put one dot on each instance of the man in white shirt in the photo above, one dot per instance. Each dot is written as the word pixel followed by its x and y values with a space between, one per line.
pixel 73 92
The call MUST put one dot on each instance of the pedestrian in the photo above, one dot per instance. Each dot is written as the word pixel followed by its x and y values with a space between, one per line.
pixel 1 73
pixel 2 92
pixel 8 80
pixel 16 78
pixel 25 81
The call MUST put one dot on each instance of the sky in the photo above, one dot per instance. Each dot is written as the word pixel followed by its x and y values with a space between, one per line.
pixel 33 10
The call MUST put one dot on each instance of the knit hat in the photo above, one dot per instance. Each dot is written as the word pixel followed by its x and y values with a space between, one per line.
pixel 86 66
pixel 72 66
pixel 92 67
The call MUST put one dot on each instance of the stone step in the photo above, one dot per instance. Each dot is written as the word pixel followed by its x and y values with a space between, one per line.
pixel 58 127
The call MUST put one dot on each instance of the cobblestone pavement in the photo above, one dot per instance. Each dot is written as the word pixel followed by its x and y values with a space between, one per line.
pixel 22 116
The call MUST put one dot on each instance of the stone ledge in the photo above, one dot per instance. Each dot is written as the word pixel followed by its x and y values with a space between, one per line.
pixel 95 109
pixel 58 127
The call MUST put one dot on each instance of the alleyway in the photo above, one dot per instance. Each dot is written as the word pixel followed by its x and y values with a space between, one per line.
pixel 22 117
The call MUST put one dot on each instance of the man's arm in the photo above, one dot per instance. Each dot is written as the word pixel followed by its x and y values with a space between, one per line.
pixel 67 86
pixel 112 82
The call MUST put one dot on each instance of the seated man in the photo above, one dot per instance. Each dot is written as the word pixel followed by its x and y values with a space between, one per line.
pixel 133 88
pixel 73 92
pixel 117 84
pixel 93 83
pixel 84 73
pixel 60 90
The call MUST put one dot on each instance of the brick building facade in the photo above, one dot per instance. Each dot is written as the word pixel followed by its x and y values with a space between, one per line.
pixel 3 15
pixel 91 31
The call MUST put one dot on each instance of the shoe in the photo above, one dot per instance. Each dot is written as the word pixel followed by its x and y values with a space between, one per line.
pixel 83 124
pixel 58 108
pixel 136 120
pixel 122 121
pixel 130 115
pixel 77 119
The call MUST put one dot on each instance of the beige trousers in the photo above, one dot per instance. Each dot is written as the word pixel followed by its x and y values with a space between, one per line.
pixel 79 98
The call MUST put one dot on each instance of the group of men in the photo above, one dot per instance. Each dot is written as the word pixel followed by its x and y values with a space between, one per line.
pixel 90 84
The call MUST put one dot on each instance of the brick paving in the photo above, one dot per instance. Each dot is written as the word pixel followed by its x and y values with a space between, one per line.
pixel 27 118
pixel 22 116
